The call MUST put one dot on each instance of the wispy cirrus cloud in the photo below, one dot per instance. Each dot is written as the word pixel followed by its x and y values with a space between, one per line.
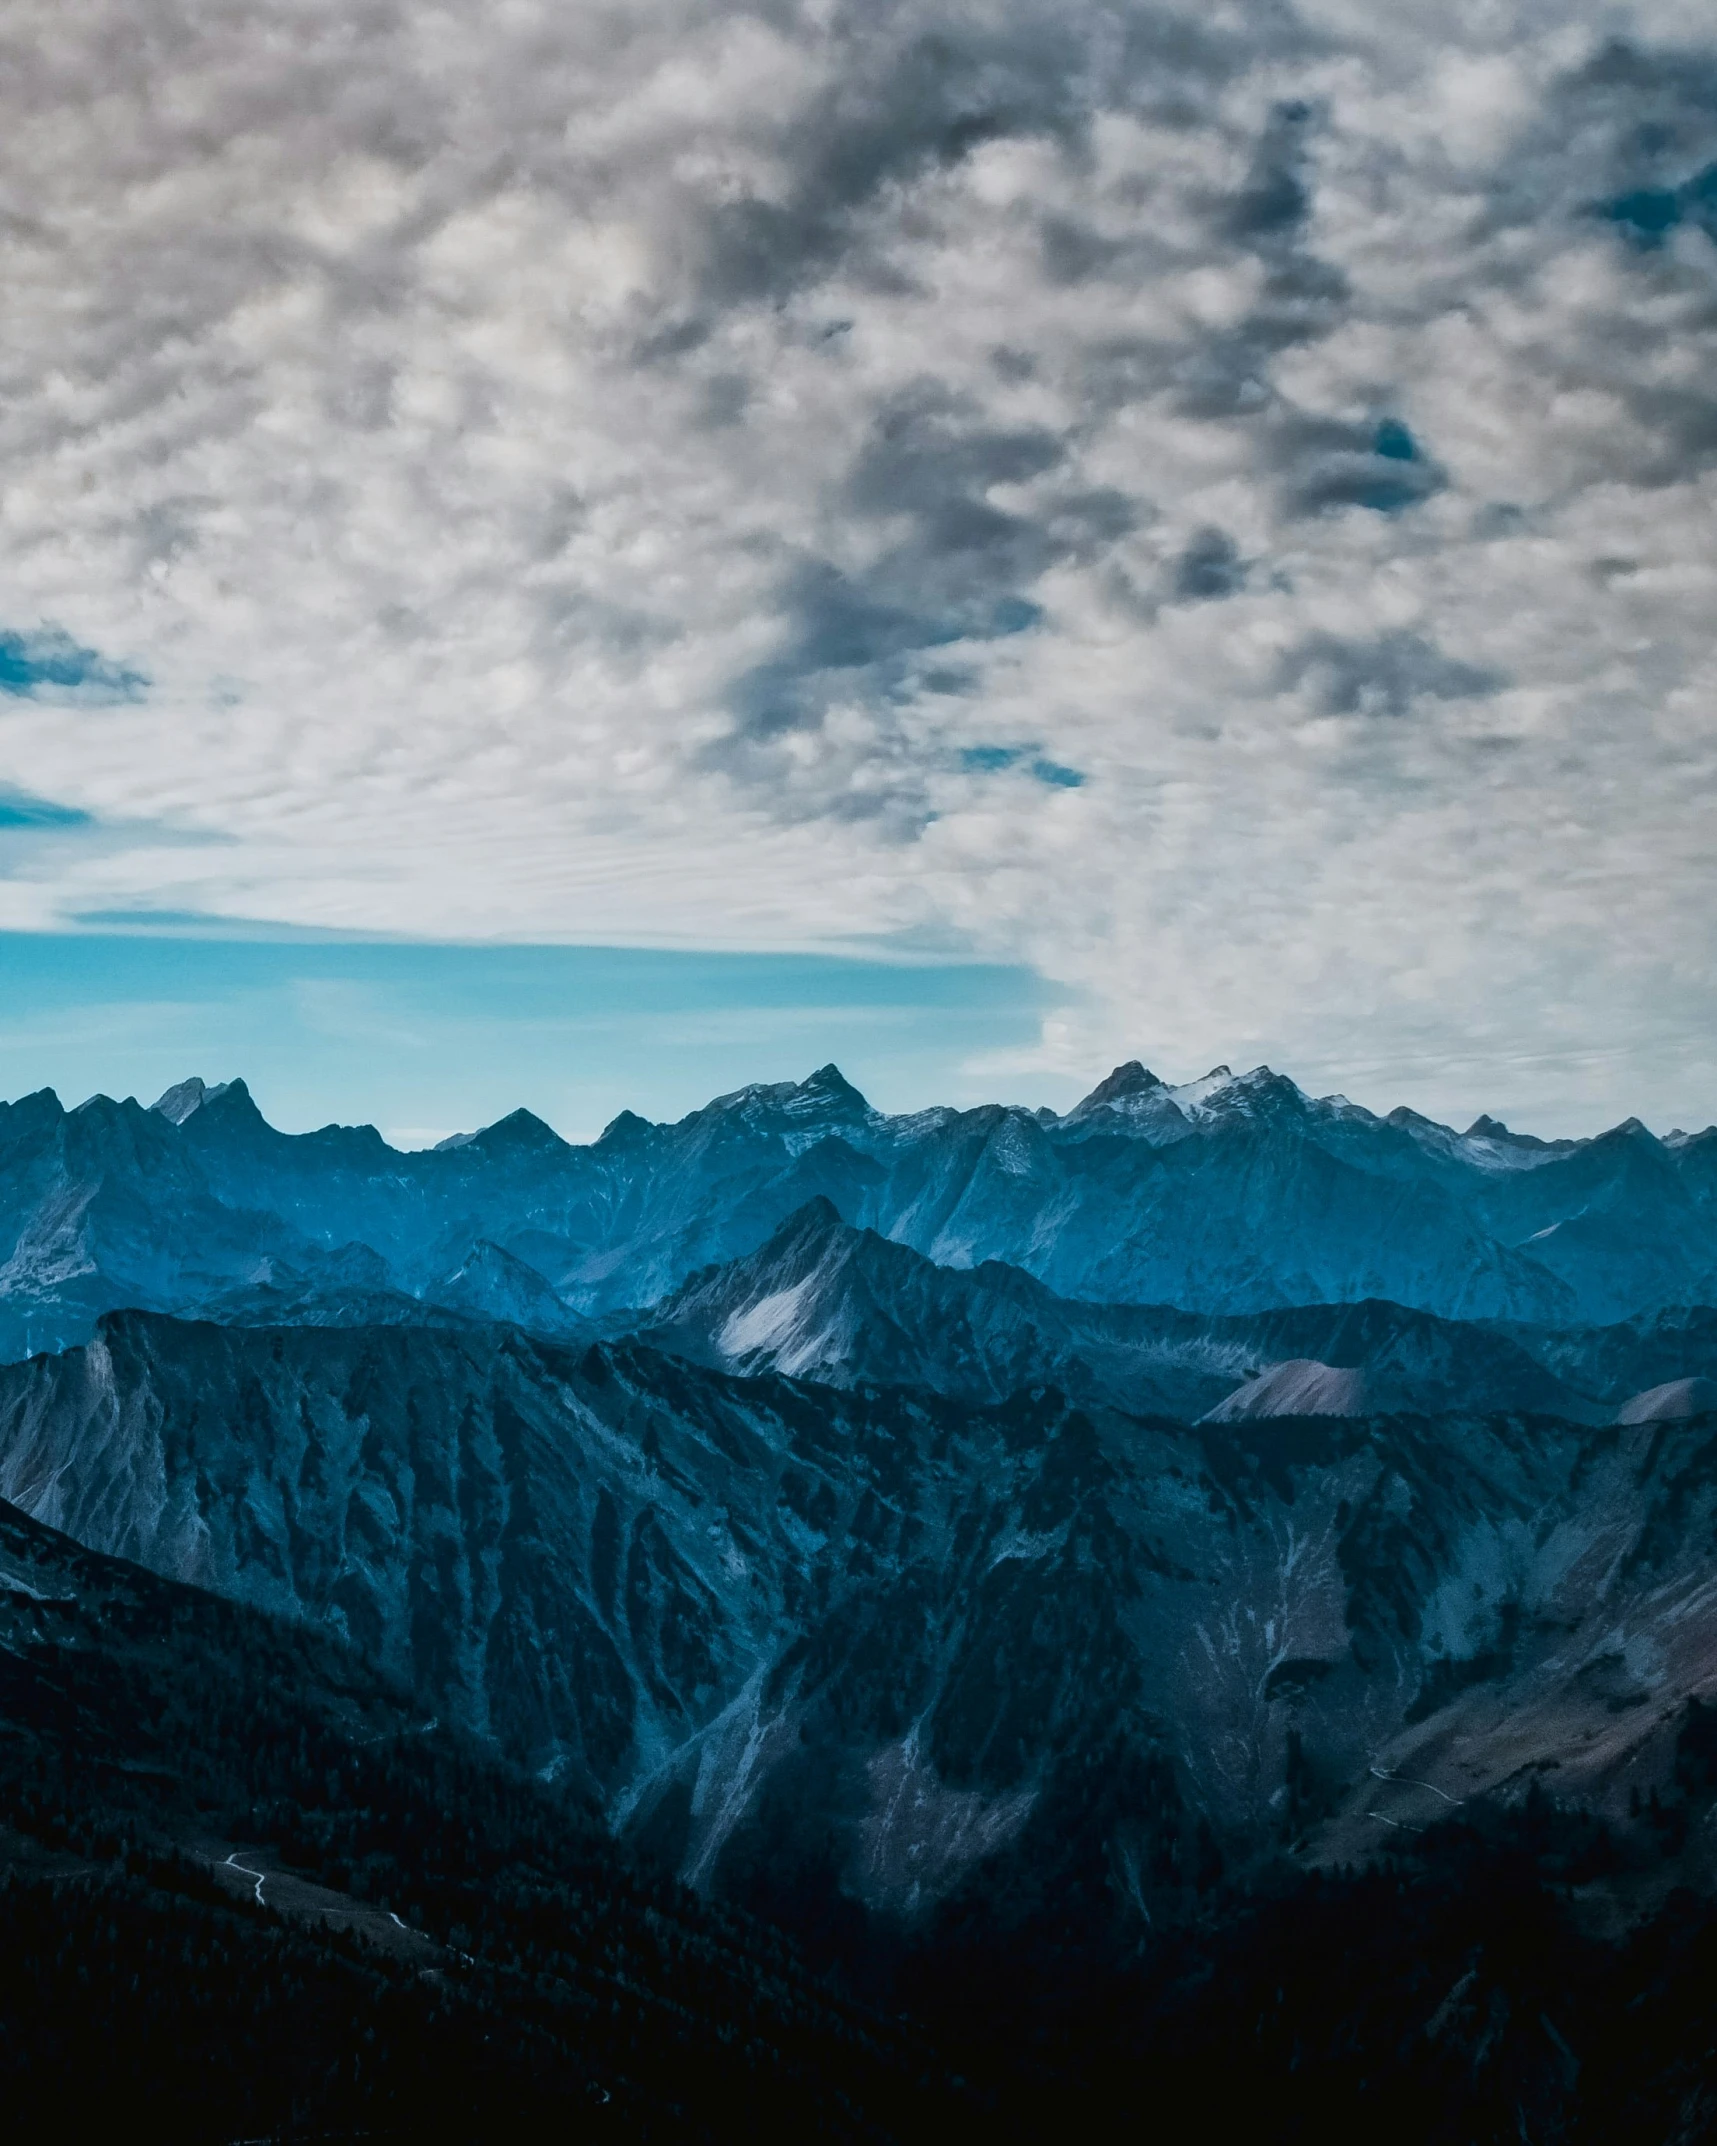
pixel 683 472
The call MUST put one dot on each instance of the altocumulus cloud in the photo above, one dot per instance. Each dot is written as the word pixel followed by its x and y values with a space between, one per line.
pixel 1216 503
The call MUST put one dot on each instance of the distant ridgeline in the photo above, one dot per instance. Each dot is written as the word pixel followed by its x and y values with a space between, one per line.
pixel 1027 1556
pixel 1229 1195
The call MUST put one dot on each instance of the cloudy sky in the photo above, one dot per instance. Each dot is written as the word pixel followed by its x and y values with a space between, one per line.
pixel 1187 531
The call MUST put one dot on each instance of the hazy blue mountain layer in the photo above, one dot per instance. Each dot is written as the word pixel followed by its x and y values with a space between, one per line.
pixel 1228 1196
pixel 820 1300
pixel 879 1639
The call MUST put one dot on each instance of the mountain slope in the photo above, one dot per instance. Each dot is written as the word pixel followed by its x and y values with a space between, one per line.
pixel 245 1892
pixel 246 1885
pixel 820 1300
pixel 812 1643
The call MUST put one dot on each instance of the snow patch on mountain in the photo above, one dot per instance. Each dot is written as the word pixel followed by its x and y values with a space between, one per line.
pixel 767 1324
pixel 1300 1387
pixel 1672 1402
pixel 1192 1094
pixel 920 1835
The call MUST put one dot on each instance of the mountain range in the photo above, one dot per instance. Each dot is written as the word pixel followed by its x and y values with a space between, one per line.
pixel 1228 1195
pixel 902 1529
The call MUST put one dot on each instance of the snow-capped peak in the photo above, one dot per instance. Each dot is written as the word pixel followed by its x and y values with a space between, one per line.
pixel 1191 1095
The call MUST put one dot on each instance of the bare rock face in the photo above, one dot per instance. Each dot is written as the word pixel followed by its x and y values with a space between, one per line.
pixel 1300 1387
pixel 1671 1402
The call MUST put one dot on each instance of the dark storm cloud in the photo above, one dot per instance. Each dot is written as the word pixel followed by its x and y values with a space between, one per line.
pixel 905 101
pixel 1625 144
pixel 1384 676
pixel 1209 569
pixel 1328 465
pixel 958 567
pixel 1271 208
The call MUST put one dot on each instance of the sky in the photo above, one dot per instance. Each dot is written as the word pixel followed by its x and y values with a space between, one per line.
pixel 987 537
pixel 426 1040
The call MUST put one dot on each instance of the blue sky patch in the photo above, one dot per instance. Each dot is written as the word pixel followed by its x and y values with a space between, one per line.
pixel 425 1039
pixel 1057 776
pixel 1380 465
pixel 1404 479
pixel 1015 615
pixel 51 662
pixel 1394 442
pixel 17 809
pixel 993 759
pixel 1648 214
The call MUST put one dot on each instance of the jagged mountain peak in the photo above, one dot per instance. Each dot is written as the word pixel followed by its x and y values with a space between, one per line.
pixel 104 1107
pixel 789 1304
pixel 493 1283
pixel 823 1097
pixel 519 1132
pixel 829 1085
pixel 230 1109
pixel 1121 1087
pixel 1223 1098
pixel 798 1114
pixel 1133 1090
pixel 1243 1087
pixel 626 1130
pixel 1634 1129
pixel 816 1223
pixel 801 1245
pixel 187 1097
pixel 41 1105
pixel 1147 1105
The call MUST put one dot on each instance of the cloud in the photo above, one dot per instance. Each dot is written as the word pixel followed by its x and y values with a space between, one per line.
pixel 1209 568
pixel 1383 676
pixel 593 473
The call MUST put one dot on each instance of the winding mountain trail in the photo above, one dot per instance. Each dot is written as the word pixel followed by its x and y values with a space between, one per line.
pixel 291 1895
pixel 244 1870
pixel 1407 1781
